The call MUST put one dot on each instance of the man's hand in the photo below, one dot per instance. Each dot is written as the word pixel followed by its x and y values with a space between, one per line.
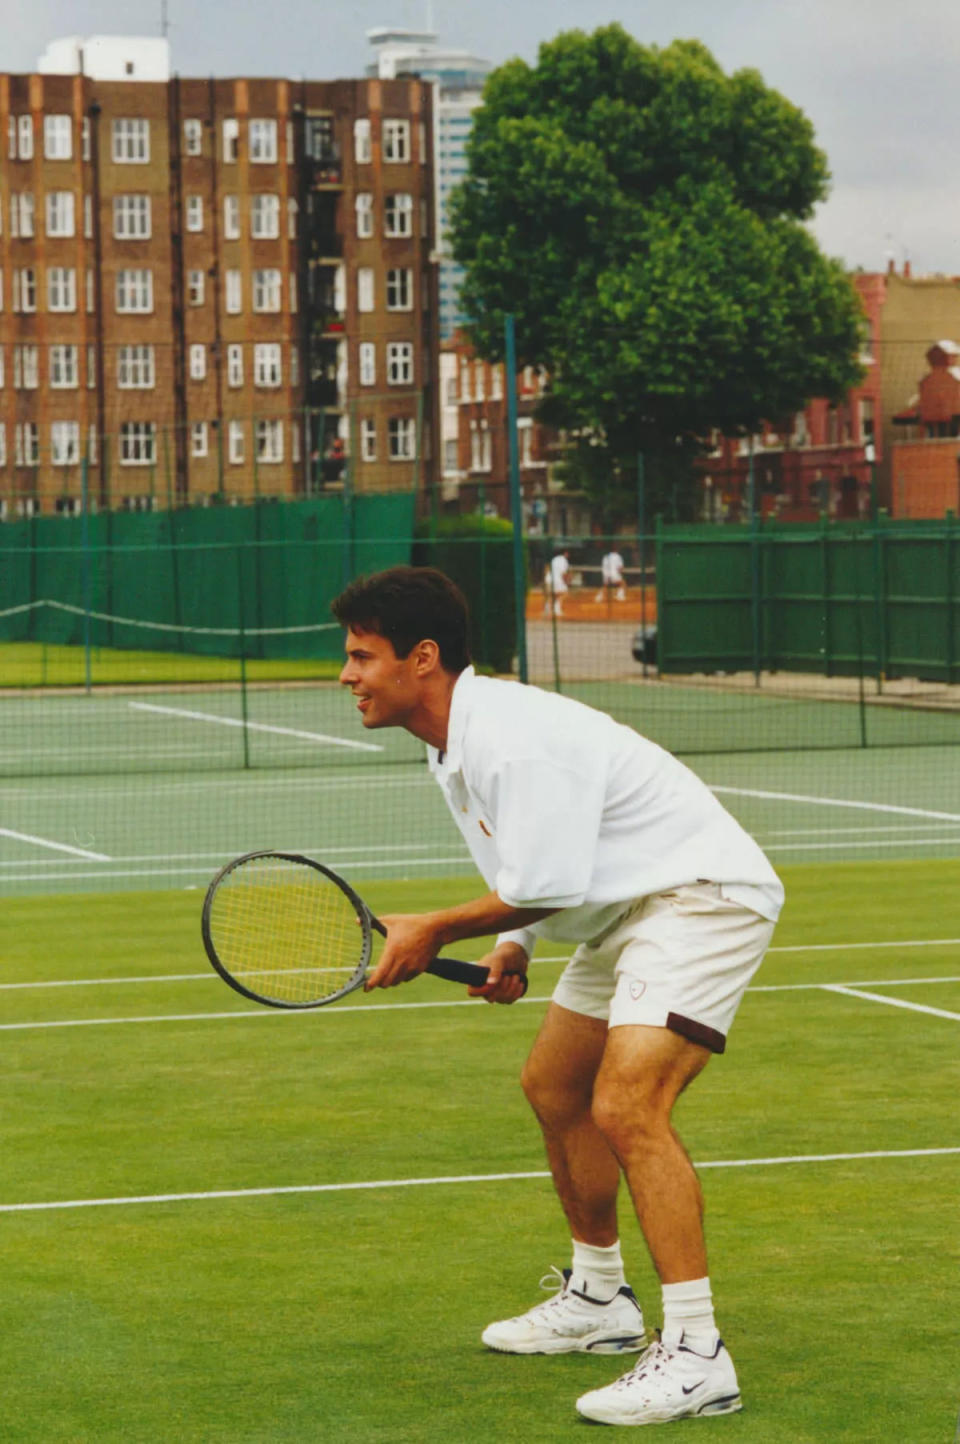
pixel 508 968
pixel 413 941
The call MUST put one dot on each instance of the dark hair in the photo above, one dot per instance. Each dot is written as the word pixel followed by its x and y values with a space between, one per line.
pixel 407 605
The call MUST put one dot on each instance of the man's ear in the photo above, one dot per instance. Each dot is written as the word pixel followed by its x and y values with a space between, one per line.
pixel 426 657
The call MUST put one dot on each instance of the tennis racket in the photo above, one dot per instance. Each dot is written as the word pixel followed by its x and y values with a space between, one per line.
pixel 287 931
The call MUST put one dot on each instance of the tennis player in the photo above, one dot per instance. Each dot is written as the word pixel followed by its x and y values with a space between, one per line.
pixel 672 906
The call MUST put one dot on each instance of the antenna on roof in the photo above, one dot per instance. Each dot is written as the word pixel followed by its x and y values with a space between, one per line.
pixel 164 19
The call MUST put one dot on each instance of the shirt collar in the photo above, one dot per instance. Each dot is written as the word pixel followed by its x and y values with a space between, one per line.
pixel 449 758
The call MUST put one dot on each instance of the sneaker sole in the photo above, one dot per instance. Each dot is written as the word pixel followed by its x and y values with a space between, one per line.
pixel 726 1404
pixel 589 1344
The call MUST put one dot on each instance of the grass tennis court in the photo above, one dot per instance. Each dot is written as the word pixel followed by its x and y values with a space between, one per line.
pixel 312 1217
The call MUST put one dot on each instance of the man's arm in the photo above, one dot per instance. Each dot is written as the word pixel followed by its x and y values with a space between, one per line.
pixel 415 939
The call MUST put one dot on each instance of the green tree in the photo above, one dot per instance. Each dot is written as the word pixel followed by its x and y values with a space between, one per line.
pixel 641 214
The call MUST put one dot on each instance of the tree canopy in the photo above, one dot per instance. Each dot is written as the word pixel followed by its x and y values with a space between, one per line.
pixel 641 213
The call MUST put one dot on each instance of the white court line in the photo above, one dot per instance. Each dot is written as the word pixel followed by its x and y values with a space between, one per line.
pixel 311 850
pixel 891 1002
pixel 342 1009
pixel 836 802
pixel 56 846
pixel 106 874
pixel 372 1185
pixel 257 726
pixel 941 841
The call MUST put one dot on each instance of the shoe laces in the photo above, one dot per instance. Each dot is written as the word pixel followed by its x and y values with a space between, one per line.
pixel 655 1359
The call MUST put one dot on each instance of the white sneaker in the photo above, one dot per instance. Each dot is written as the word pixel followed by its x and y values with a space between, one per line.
pixel 668 1381
pixel 571 1322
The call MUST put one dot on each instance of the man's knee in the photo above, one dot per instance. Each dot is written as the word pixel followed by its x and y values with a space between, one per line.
pixel 556 1095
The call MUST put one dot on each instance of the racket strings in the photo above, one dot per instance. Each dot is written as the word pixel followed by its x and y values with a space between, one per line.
pixel 285 931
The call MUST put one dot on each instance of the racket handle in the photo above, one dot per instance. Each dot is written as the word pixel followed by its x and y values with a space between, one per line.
pixel 473 974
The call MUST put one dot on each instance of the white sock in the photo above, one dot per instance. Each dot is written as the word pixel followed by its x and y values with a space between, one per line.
pixel 597 1271
pixel 688 1310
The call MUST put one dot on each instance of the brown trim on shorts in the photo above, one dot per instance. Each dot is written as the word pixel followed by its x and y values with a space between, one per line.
pixel 697 1032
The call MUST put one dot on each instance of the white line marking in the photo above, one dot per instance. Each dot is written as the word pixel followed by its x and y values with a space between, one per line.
pixel 842 947
pixel 56 846
pixel 943 841
pixel 364 863
pixel 891 1002
pixel 257 726
pixel 455 1179
pixel 836 802
pixel 311 849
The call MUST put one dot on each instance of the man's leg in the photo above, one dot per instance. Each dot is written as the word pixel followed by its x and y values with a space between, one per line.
pixel 594 1310
pixel 558 1079
pixel 643 1072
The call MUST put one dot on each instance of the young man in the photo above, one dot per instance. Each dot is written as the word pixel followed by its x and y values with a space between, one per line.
pixel 672 906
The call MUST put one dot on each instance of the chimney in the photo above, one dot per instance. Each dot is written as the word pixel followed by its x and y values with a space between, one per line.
pixel 906 270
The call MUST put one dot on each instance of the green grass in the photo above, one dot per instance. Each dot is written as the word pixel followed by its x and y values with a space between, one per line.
pixel 354 1317
pixel 41 664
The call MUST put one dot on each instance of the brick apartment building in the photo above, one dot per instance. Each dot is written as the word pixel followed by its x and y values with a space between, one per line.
pixel 211 288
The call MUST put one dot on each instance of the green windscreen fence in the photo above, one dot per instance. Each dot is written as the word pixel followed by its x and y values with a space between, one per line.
pixel 169 693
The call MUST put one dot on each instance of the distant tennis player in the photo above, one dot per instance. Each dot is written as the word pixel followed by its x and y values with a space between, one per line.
pixel 672 905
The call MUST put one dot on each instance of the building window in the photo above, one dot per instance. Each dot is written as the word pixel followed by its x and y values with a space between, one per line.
pixel 235 447
pixel 198 361
pixel 365 290
pixel 268 435
pixel 231 218
pixel 265 217
pixel 91 368
pixel 267 365
pixel 364 205
pixel 194 213
pixel 21 137
pixel 131 218
pixel 198 438
pixel 496 383
pixel 396 140
pixel 450 454
pixel 195 288
pixel 263 142
pixel 231 139
pixel 57 137
pixel 64 367
pixel 361 140
pixel 368 363
pixel 399 289
pixel 235 365
pixel 193 137
pixel 134 292
pixel 21 214
pixel 3 453
pixel 233 282
pixel 136 370
pixel 60 213
pixel 464 380
pixel 478 381
pixel 398 215
pixel 25 289
pixel 368 439
pixel 131 141
pixel 266 290
pixel 85 138
pixel 401 432
pixel 138 443
pixel 88 217
pixel 26 440
pixel 25 368
pixel 89 288
pixel 399 363
pixel 65 443
pixel 292 210
pixel 61 288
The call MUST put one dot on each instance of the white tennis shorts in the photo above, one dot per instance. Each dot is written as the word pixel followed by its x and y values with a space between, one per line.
pixel 680 959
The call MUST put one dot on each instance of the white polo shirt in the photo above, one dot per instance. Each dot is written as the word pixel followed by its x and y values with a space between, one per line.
pixel 561 807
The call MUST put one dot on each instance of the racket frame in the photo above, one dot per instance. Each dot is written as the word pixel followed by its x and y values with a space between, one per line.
pixel 472 975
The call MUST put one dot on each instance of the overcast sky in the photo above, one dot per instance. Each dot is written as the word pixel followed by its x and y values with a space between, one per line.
pixel 878 78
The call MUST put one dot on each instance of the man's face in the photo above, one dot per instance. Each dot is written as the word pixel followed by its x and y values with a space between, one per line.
pixel 387 687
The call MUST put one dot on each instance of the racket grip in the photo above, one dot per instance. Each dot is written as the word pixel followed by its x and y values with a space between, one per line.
pixel 474 975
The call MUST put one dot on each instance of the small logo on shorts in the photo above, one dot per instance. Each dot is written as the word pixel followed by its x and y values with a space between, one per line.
pixel 637 990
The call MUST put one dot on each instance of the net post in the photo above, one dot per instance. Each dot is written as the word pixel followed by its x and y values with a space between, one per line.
pixel 87 573
pixel 244 730
pixel 516 498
